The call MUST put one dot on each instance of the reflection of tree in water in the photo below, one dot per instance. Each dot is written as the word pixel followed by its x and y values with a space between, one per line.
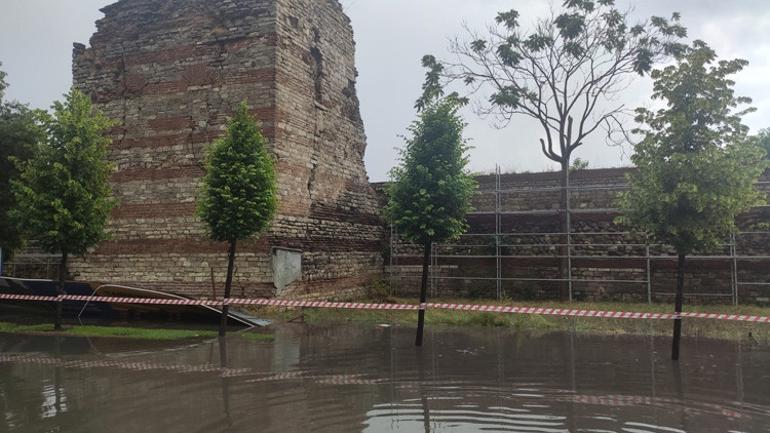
pixel 224 364
pixel 29 393
pixel 19 402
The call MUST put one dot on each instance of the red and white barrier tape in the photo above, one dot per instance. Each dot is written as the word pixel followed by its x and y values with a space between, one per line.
pixel 215 303
pixel 566 312
pixel 563 312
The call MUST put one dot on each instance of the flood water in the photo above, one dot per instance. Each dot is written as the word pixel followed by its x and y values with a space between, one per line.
pixel 364 378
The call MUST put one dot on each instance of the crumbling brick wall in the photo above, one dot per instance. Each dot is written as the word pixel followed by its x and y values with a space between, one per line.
pixel 170 72
pixel 606 257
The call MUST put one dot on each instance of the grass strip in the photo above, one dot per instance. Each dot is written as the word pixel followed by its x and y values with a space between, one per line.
pixel 691 327
pixel 107 331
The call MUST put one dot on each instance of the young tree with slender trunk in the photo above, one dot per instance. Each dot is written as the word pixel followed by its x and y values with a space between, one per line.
pixel 63 197
pixel 565 74
pixel 430 192
pixel 696 165
pixel 238 199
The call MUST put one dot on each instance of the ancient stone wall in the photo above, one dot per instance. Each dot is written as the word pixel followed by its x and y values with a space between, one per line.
pixel 608 263
pixel 170 72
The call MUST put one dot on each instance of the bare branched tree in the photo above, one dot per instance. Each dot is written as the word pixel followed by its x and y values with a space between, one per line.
pixel 565 73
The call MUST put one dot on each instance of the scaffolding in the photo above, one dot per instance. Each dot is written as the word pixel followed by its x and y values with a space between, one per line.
pixel 33 265
pixel 574 245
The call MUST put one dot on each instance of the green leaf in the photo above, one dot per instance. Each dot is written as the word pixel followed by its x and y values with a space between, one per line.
pixel 508 19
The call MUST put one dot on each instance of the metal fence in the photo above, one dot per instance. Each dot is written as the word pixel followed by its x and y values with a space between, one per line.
pixel 33 265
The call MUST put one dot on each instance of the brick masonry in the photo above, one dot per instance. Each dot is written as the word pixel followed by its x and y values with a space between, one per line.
pixel 170 72
pixel 594 212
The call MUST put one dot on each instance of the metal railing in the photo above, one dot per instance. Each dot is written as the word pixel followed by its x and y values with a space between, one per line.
pixel 38 265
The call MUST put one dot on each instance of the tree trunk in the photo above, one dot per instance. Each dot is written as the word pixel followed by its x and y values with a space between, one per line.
pixel 60 290
pixel 565 228
pixel 678 307
pixel 228 286
pixel 423 293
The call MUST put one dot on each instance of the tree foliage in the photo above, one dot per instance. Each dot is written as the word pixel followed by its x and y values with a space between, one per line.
pixel 3 83
pixel 63 198
pixel 564 73
pixel 763 139
pixel 696 163
pixel 431 189
pixel 18 135
pixel 238 198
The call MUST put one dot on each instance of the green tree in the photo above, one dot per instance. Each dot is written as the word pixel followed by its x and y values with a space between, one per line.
pixel 238 198
pixel 579 164
pixel 3 83
pixel 565 73
pixel 63 197
pixel 696 163
pixel 763 139
pixel 18 134
pixel 430 192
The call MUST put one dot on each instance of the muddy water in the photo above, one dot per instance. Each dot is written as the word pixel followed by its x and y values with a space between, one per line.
pixel 362 378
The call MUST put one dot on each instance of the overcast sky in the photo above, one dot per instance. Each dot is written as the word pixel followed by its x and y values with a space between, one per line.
pixel 392 35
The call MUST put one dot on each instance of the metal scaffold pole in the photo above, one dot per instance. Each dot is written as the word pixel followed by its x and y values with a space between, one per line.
pixel 734 267
pixel 433 267
pixel 497 235
pixel 569 238
pixel 391 260
pixel 649 268
pixel 394 258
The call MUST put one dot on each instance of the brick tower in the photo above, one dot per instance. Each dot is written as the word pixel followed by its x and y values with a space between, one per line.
pixel 170 72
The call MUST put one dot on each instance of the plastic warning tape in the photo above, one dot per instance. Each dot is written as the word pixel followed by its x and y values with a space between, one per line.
pixel 215 303
pixel 545 311
pixel 567 312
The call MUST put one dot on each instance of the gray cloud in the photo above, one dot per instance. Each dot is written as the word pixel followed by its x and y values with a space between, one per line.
pixel 392 35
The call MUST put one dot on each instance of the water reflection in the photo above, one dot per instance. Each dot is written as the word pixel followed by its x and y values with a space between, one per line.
pixel 372 379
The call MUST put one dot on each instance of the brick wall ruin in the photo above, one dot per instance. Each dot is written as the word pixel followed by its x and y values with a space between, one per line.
pixel 609 262
pixel 170 72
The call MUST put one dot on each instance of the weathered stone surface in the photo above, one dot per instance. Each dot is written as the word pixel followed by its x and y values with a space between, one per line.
pixel 170 72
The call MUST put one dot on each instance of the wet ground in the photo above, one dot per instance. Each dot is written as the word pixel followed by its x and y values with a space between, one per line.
pixel 364 378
